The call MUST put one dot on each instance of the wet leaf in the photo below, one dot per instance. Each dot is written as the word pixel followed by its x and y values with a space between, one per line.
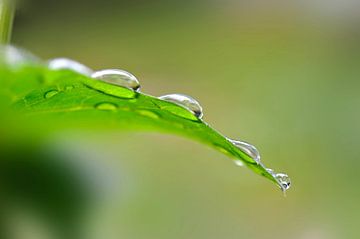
pixel 50 100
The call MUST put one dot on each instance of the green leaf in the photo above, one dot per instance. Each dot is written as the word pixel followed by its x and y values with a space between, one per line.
pixel 54 100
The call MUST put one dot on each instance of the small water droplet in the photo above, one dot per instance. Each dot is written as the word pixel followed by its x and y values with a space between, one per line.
pixel 51 93
pixel 68 64
pixel 106 106
pixel 118 77
pixel 238 162
pixel 148 113
pixel 269 170
pixel 69 87
pixel 186 102
pixel 248 149
pixel 284 180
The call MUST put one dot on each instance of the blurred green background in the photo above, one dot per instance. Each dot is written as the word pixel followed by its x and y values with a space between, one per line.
pixel 283 76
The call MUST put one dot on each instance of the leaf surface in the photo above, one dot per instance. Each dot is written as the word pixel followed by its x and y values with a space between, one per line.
pixel 54 100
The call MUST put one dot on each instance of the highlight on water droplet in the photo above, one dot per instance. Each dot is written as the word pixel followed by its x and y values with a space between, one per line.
pixel 51 93
pixel 247 148
pixel 68 64
pixel 106 106
pixel 118 77
pixel 284 180
pixel 186 102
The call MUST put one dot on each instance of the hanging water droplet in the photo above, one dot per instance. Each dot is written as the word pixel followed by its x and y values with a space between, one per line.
pixel 238 163
pixel 186 102
pixel 51 93
pixel 68 64
pixel 118 77
pixel 106 106
pixel 248 149
pixel 284 180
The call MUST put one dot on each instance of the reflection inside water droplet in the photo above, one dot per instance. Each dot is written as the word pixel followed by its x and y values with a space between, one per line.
pixel 68 64
pixel 118 77
pixel 248 149
pixel 186 102
pixel 51 93
pixel 106 106
pixel 284 180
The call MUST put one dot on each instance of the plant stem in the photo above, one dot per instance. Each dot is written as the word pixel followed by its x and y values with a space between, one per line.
pixel 7 9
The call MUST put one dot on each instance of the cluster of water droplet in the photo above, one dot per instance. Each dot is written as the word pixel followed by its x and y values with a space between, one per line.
pixel 125 79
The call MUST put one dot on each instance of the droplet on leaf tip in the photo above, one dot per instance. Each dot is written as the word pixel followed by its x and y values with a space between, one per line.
pixel 284 180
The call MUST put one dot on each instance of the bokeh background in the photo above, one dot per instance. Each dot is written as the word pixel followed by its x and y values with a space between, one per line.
pixel 283 75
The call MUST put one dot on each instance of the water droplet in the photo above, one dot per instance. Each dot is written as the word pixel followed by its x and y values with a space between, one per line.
pixel 68 64
pixel 51 93
pixel 269 170
pixel 186 102
pixel 148 113
pixel 106 106
pixel 238 162
pixel 118 77
pixel 69 87
pixel 248 149
pixel 284 180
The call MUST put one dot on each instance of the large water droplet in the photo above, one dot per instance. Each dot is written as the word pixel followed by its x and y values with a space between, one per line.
pixel 248 149
pixel 51 93
pixel 284 180
pixel 118 77
pixel 68 64
pixel 186 102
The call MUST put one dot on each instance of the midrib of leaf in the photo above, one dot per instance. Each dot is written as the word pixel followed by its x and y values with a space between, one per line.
pixel 75 106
